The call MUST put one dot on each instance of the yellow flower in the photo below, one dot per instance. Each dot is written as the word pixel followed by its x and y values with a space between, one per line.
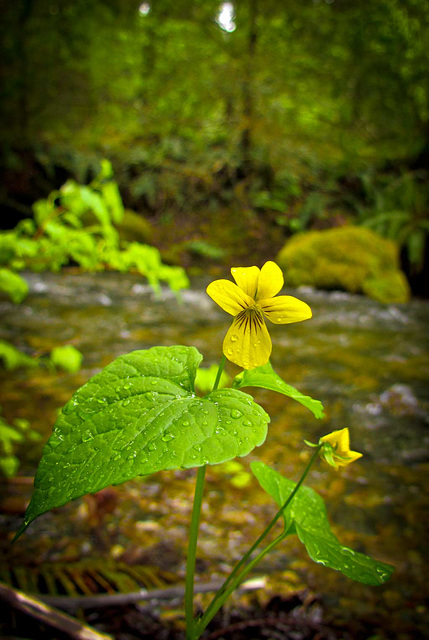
pixel 336 449
pixel 250 301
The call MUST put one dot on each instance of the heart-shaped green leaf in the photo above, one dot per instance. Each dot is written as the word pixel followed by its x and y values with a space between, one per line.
pixel 266 378
pixel 138 416
pixel 306 516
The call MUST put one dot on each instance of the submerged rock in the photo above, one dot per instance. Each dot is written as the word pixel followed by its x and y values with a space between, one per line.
pixel 350 258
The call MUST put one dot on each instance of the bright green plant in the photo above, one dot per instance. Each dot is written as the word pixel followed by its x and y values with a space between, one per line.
pixel 77 225
pixel 64 357
pixel 11 436
pixel 141 414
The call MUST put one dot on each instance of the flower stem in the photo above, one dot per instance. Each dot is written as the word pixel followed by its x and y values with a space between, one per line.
pixel 239 573
pixel 219 373
pixel 192 551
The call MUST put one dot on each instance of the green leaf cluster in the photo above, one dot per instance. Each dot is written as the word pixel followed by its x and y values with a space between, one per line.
pixel 76 226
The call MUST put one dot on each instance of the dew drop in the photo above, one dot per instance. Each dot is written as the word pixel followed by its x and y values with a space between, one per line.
pixel 127 386
pixel 234 338
pixel 70 406
pixel 86 436
pixel 126 402
pixel 185 423
pixel 153 382
pixel 167 437
pixel 230 351
pixel 197 447
pixel 247 423
pixel 151 446
pixel 235 413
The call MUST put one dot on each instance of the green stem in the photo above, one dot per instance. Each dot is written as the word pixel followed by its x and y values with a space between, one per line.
pixel 219 373
pixel 192 551
pixel 226 589
pixel 193 536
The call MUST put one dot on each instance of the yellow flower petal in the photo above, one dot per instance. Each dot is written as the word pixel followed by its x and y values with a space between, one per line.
pixel 270 281
pixel 228 296
pixel 285 309
pixel 248 342
pixel 339 452
pixel 247 279
pixel 340 440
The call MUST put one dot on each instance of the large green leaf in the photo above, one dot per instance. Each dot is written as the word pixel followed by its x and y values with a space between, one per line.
pixel 267 378
pixel 306 516
pixel 138 416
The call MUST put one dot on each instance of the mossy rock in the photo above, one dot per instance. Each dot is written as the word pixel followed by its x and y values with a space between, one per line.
pixel 349 258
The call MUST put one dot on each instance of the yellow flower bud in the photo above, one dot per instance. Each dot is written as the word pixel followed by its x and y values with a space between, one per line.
pixel 336 449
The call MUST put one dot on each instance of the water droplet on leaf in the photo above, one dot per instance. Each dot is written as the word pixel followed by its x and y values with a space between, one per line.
pixel 167 437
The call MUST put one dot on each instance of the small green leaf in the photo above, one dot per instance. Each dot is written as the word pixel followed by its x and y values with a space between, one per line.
pixel 13 358
pixel 266 378
pixel 307 515
pixel 13 285
pixel 138 416
pixel 67 357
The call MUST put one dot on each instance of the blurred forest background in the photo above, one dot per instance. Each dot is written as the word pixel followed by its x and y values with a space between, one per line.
pixel 218 133
pixel 230 125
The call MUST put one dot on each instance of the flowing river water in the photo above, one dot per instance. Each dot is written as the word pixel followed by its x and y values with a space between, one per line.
pixel 368 364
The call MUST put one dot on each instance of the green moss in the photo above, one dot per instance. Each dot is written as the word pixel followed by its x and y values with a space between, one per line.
pixel 350 258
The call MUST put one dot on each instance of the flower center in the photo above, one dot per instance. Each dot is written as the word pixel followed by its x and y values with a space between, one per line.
pixel 250 318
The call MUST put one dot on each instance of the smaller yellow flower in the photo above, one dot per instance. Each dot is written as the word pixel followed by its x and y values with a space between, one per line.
pixel 336 449
pixel 251 301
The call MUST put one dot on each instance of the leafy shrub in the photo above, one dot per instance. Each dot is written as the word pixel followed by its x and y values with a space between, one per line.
pixel 77 225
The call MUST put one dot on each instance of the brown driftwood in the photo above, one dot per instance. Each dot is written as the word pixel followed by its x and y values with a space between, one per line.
pixel 119 599
pixel 34 607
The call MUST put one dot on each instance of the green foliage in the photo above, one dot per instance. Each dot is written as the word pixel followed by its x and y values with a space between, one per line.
pixel 266 378
pixel 398 210
pixel 205 249
pixel 13 358
pixel 349 258
pixel 138 416
pixel 13 285
pixel 76 225
pixel 67 357
pixel 64 357
pixel 236 473
pixel 306 516
pixel 11 435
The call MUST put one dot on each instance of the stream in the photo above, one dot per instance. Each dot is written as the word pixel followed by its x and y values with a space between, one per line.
pixel 368 364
